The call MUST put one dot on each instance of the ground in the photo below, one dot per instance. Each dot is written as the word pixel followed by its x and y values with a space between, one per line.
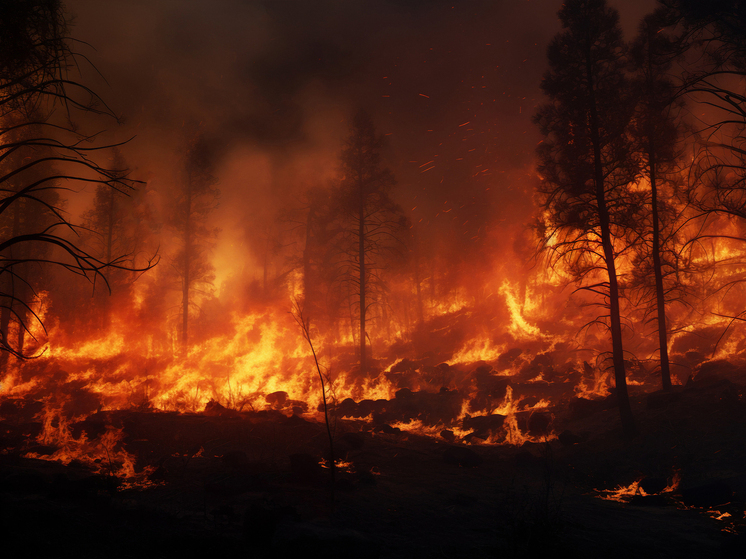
pixel 250 484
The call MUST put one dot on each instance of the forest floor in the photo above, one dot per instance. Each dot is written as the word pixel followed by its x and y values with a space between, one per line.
pixel 250 484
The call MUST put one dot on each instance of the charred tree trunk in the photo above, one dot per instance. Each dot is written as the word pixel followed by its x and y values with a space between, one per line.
pixel 659 293
pixel 361 262
pixel 109 252
pixel 660 297
pixel 417 283
pixel 10 284
pixel 620 377
pixel 23 294
pixel 307 261
pixel 187 262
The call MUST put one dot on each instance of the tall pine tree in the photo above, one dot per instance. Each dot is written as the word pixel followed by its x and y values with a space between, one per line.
pixel 196 197
pixel 585 160
pixel 372 224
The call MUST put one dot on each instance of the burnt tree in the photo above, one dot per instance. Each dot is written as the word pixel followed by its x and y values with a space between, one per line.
pixel 713 39
pixel 371 224
pixel 585 162
pixel 195 197
pixel 116 225
pixel 42 153
pixel 656 132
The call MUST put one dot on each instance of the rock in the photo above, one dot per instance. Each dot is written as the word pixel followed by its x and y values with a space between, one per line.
pixel 448 435
pixel 346 408
pixel 370 407
pixel 707 495
pixel 389 430
pixel 215 409
pixel 295 420
pixel 473 438
pixel 461 456
pixel 483 425
pixel 277 399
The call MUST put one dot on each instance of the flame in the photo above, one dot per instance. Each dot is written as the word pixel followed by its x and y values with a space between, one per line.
pixel 624 493
pixel 519 326
pixel 104 455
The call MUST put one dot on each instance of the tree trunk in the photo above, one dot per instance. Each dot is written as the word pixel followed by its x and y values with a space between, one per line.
pixel 361 260
pixel 659 293
pixel 620 377
pixel 657 270
pixel 187 261
pixel 9 284
pixel 109 252
pixel 417 283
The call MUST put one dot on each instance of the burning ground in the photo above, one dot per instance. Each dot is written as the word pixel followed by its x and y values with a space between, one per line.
pixel 522 453
pixel 467 381
pixel 224 481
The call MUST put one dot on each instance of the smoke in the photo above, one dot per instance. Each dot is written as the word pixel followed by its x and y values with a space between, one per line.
pixel 273 84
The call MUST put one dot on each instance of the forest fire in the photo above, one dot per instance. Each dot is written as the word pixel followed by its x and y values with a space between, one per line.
pixel 377 279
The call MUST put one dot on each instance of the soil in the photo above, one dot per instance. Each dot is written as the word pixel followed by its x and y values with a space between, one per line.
pixel 250 485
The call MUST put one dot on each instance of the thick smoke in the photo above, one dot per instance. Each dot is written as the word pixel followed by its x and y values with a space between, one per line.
pixel 272 87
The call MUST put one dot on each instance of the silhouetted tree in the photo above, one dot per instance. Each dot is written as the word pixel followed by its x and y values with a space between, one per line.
pixel 656 133
pixel 195 197
pixel 713 38
pixel 585 161
pixel 24 217
pixel 371 224
pixel 42 152
pixel 116 225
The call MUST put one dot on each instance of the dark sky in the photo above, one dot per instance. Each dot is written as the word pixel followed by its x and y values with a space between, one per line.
pixel 452 84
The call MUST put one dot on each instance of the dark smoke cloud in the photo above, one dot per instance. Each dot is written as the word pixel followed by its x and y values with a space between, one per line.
pixel 452 84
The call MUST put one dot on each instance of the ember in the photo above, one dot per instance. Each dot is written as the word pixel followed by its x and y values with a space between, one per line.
pixel 308 308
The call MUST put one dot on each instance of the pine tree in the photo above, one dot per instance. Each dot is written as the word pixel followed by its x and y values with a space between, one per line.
pixel 656 133
pixel 115 229
pixel 585 161
pixel 372 224
pixel 196 197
